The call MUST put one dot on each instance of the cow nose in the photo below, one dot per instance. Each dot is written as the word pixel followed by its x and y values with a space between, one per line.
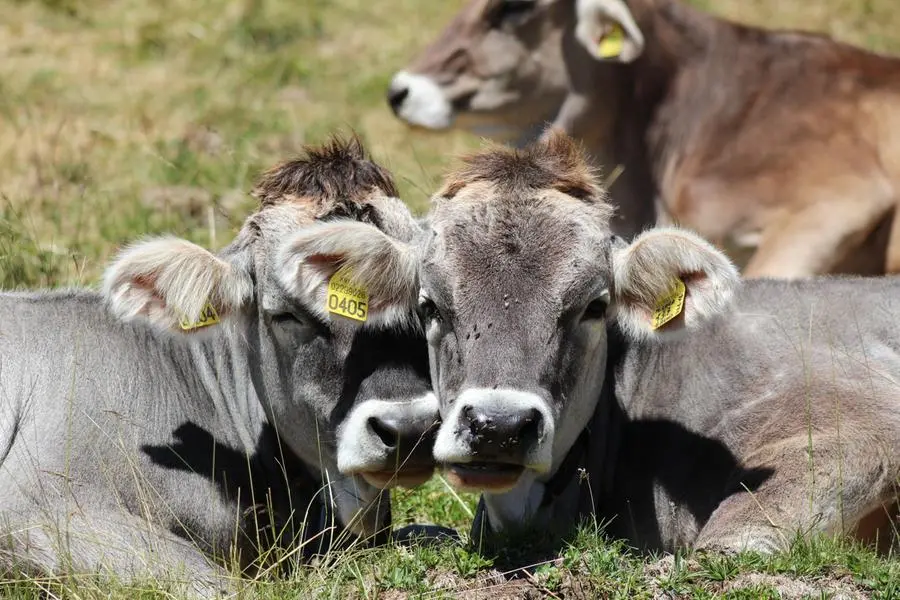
pixel 409 444
pixel 396 95
pixel 506 437
pixel 387 430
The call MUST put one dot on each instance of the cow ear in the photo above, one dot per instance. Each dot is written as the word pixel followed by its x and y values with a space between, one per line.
pixel 608 30
pixel 174 284
pixel 668 280
pixel 351 269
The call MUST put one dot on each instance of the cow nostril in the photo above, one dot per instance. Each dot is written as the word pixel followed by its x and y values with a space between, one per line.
pixel 396 96
pixel 476 422
pixel 532 426
pixel 386 432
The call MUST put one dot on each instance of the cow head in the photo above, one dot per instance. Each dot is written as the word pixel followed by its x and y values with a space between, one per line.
pixel 496 70
pixel 315 293
pixel 520 281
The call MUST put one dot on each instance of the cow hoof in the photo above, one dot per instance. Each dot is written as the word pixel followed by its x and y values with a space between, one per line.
pixel 424 534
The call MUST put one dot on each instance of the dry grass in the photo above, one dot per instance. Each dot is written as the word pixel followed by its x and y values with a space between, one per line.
pixel 872 24
pixel 125 118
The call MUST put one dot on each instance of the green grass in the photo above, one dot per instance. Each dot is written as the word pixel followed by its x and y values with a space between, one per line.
pixel 589 566
pixel 122 118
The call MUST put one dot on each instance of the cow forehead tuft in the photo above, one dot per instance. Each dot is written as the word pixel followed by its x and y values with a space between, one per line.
pixel 555 163
pixel 337 177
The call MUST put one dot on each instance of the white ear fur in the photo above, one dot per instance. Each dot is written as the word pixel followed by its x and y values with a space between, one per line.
pixel 644 271
pixel 167 279
pixel 592 22
pixel 385 267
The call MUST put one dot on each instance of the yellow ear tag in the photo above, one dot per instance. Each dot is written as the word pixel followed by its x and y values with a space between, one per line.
pixel 208 316
pixel 346 298
pixel 611 44
pixel 669 306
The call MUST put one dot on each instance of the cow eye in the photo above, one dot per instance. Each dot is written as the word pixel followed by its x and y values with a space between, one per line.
pixel 285 318
pixel 596 308
pixel 512 12
pixel 428 310
pixel 292 319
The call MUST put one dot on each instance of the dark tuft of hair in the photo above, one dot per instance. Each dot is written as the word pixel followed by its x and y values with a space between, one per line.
pixel 336 177
pixel 555 162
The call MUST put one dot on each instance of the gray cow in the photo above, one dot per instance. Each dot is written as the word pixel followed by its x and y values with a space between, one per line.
pixel 704 414
pixel 221 404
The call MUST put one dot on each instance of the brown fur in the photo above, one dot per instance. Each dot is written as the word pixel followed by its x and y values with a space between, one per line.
pixel 776 145
pixel 334 179
pixel 469 71
pixel 556 164
pixel 759 140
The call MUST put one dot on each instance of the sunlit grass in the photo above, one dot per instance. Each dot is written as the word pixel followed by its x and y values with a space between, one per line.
pixel 121 118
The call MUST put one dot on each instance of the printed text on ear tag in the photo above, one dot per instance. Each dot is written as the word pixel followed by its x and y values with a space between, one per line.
pixel 611 44
pixel 669 306
pixel 208 316
pixel 346 298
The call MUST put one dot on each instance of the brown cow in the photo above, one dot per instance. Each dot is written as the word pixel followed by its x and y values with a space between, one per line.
pixel 770 144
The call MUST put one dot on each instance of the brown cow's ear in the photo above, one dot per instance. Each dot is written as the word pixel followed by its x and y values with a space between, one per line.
pixel 175 285
pixel 608 30
pixel 668 280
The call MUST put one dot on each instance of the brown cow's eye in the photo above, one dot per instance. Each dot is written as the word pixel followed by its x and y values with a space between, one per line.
pixel 512 12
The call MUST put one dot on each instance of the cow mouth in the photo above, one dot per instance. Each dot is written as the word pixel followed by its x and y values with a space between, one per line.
pixel 484 476
pixel 408 478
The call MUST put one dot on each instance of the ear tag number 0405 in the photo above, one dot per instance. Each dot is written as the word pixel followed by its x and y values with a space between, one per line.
pixel 208 316
pixel 669 306
pixel 346 298
pixel 612 43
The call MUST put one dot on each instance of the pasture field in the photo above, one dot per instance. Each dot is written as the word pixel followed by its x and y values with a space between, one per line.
pixel 122 118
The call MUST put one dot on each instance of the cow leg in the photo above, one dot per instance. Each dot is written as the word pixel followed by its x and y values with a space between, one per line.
pixel 128 548
pixel 815 239
pixel 829 489
pixel 892 258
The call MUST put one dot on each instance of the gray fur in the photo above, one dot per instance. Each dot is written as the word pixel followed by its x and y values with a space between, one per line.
pixel 130 447
pixel 770 413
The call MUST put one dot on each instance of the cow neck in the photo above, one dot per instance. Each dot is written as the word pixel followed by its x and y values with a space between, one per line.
pixel 675 34
pixel 221 364
pixel 569 469
pixel 592 458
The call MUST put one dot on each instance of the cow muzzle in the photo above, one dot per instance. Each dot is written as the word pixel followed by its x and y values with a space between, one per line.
pixel 390 444
pixel 419 101
pixel 492 437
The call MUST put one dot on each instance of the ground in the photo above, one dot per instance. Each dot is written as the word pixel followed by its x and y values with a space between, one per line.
pixel 124 118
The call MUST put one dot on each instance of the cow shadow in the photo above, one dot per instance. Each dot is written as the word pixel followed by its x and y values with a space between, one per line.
pixel 620 496
pixel 663 460
pixel 275 494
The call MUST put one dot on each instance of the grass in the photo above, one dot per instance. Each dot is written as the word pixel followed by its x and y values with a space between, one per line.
pixel 122 118
pixel 589 566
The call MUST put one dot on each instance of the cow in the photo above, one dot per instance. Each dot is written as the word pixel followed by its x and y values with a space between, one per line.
pixel 222 405
pixel 638 383
pixel 774 145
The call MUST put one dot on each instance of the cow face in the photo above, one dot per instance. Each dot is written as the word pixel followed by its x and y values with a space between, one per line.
pixel 317 294
pixel 496 70
pixel 521 279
